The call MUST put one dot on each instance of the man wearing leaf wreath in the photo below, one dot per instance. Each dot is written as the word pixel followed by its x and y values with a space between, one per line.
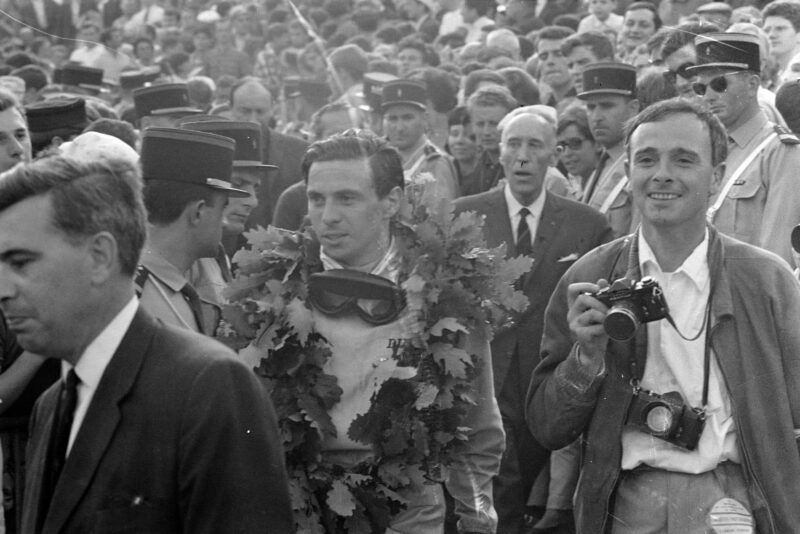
pixel 355 191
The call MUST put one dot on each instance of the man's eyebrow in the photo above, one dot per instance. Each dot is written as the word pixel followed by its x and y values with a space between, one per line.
pixel 4 256
pixel 685 152
pixel 647 151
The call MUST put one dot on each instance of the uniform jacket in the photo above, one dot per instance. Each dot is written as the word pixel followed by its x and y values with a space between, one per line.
pixel 286 153
pixel 755 338
pixel 599 189
pixel 179 437
pixel 763 205
pixel 566 231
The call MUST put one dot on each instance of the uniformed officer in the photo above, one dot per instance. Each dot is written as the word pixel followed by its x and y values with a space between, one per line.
pixel 56 120
pixel 609 90
pixel 405 119
pixel 210 275
pixel 162 105
pixel 758 200
pixel 187 178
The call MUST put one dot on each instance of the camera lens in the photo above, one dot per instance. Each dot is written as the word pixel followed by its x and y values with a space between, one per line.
pixel 659 419
pixel 621 321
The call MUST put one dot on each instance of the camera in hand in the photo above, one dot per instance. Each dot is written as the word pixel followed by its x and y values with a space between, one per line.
pixel 667 417
pixel 630 305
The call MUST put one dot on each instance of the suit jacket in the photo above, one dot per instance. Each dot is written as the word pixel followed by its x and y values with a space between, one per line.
pixel 52 13
pixel 566 230
pixel 179 437
pixel 287 153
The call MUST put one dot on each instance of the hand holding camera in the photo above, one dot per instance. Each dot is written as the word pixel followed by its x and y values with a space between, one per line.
pixel 585 317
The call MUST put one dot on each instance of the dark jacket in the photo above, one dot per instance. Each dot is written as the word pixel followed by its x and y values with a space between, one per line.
pixel 180 437
pixel 756 340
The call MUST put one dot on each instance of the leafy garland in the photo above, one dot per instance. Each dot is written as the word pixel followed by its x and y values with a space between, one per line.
pixel 454 285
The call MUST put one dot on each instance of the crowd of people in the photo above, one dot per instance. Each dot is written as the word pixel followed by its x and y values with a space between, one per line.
pixel 640 155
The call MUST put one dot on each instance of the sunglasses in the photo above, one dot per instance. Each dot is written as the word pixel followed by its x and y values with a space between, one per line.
pixel 376 300
pixel 672 75
pixel 718 84
pixel 573 143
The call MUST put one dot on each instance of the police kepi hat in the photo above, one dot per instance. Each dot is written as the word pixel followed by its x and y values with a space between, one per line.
pixel 80 76
pixel 190 157
pixel 609 78
pixel 57 114
pixel 132 79
pixel 739 51
pixel 247 136
pixel 163 100
pixel 373 89
pixel 405 92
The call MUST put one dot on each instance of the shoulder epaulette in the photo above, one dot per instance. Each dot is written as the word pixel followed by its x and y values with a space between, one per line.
pixel 430 150
pixel 786 137
pixel 139 279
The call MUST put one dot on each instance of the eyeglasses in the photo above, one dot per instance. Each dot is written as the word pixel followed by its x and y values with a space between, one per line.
pixel 672 75
pixel 573 143
pixel 718 84
pixel 376 300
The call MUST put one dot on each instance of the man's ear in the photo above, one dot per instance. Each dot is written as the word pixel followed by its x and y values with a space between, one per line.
pixel 633 106
pixel 392 202
pixel 104 257
pixel 193 212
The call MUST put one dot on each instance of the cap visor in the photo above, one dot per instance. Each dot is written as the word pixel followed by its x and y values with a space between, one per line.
pixel 404 103
pixel 168 111
pixel 718 66
pixel 593 92
pixel 247 164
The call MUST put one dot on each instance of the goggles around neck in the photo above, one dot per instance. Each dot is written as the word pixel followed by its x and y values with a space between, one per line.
pixel 376 300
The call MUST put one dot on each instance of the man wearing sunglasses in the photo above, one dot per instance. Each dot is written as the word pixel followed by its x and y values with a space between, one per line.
pixel 355 189
pixel 759 200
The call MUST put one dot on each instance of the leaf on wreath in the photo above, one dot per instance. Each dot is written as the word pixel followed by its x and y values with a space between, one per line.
pixel 426 394
pixel 340 499
pixel 467 225
pixel 512 268
pixel 389 494
pixel 261 238
pixel 452 359
pixel 265 340
pixel 245 257
pixel 300 319
pixel 316 414
pixel 447 323
pixel 328 390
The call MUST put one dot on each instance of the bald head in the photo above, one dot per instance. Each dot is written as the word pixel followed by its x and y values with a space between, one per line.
pixel 251 101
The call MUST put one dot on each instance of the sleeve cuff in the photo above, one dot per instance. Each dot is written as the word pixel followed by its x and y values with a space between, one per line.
pixel 579 374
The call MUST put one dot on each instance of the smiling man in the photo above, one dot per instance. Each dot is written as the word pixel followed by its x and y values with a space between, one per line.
pixel 759 201
pixel 554 232
pixel 725 452
pixel 609 90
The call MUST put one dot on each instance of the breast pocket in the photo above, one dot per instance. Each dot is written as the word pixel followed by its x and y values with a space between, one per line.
pixel 747 198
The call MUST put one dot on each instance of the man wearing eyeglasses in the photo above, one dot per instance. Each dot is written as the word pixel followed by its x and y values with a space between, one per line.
pixel 759 199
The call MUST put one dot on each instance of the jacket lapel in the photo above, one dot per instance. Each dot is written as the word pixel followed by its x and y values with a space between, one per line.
pixel 100 422
pixel 498 225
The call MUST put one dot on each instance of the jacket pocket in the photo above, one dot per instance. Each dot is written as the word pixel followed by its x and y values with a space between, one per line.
pixel 135 519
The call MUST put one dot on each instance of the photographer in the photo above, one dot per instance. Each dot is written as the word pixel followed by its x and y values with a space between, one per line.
pixel 692 421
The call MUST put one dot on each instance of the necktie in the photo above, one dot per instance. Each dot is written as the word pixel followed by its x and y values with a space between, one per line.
pixel 59 436
pixel 524 247
pixel 193 299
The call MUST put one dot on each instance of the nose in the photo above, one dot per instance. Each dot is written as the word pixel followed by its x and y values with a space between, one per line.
pixel 15 148
pixel 330 213
pixel 7 287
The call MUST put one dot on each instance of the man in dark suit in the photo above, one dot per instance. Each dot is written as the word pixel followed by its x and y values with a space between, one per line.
pixel 152 429
pixel 251 101
pixel 554 232
pixel 43 15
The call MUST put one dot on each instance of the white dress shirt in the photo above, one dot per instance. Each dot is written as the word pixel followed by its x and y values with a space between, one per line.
pixel 674 364
pixel 93 362
pixel 535 209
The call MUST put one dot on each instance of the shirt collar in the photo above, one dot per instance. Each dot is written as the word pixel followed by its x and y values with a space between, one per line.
pixel 96 356
pixel 163 270
pixel 745 133
pixel 695 266
pixel 388 267
pixel 514 206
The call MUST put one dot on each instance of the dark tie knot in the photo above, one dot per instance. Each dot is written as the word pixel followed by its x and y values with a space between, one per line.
pixel 524 212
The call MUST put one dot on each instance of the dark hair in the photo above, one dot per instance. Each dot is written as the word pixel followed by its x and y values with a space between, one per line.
pixel 684 34
pixel 475 77
pixel 784 9
pixel 599 43
pixel 482 7
pixel 676 106
pixel 568 20
pixel 441 87
pixel 86 198
pixel 315 123
pixel 8 100
pixel 276 30
pixel 116 128
pixel 165 200
pixel 413 42
pixel 385 164
pixel 553 33
pixel 34 76
pixel 649 7
pixel 207 30
pixel 576 116
pixel 459 116
pixel 19 59
pixel 382 65
pixel 176 59
pixel 388 34
pixel 523 87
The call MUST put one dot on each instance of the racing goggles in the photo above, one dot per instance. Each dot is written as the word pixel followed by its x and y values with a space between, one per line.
pixel 376 300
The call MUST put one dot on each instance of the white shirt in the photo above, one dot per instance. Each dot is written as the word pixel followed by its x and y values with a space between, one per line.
pixel 592 23
pixel 475 30
pixel 674 364
pixel 535 209
pixel 93 362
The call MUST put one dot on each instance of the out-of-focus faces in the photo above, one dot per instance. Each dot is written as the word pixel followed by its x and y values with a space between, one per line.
pixel 404 125
pixel 462 142
pixel 15 143
pixel 409 59
pixel 578 59
pixel 638 26
pixel 235 214
pixel 578 153
pixel 553 66
pixel 782 36
pixel 484 121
